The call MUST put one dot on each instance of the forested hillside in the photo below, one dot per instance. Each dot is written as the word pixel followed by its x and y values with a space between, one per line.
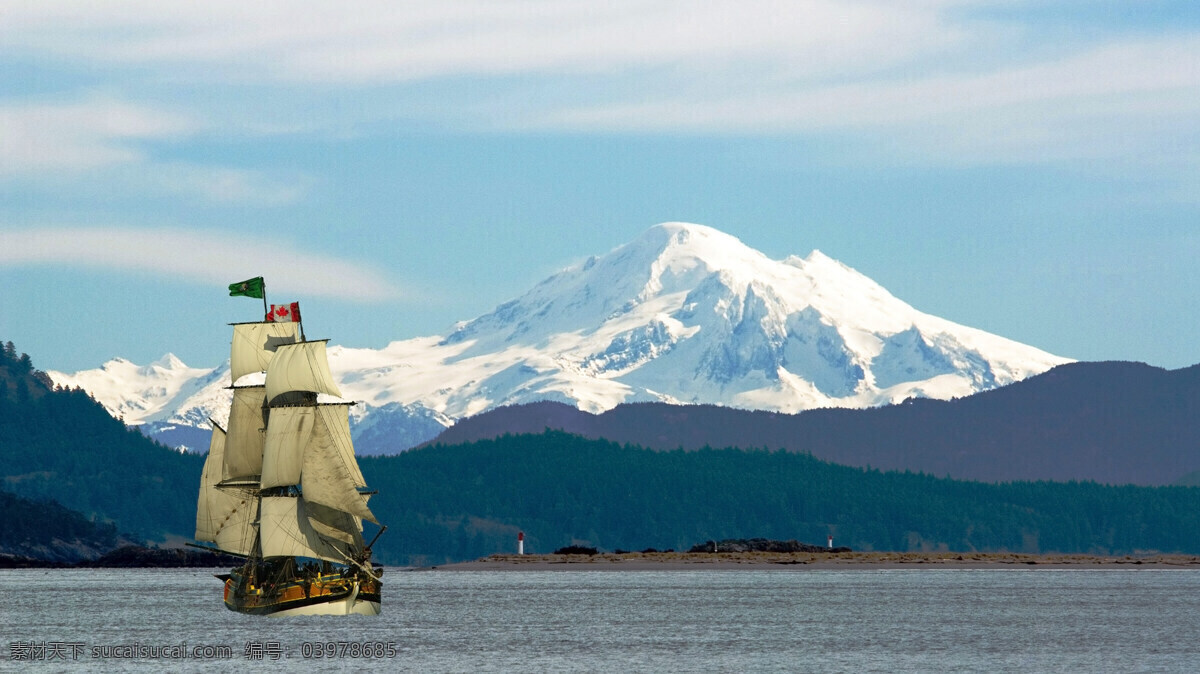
pixel 48 531
pixel 1113 422
pixel 61 445
pixel 465 501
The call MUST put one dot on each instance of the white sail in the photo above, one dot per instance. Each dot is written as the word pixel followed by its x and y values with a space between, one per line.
pixel 310 446
pixel 223 516
pixel 330 475
pixel 286 532
pixel 254 345
pixel 290 431
pixel 209 507
pixel 236 532
pixel 244 446
pixel 302 366
pixel 335 524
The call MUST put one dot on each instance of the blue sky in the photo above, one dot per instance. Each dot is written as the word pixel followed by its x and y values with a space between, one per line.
pixel 1025 167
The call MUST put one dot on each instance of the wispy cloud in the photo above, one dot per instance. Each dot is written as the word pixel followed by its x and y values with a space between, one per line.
pixel 210 257
pixel 980 81
pixel 388 41
pixel 82 135
pixel 219 184
pixel 109 140
pixel 1104 101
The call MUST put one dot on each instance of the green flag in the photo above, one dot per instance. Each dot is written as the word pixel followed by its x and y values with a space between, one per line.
pixel 248 288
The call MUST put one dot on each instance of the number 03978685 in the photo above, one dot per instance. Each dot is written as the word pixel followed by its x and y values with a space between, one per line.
pixel 348 649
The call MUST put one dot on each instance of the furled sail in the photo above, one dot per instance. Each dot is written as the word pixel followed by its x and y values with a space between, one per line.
pixel 223 516
pixel 244 446
pixel 254 344
pixel 302 366
pixel 286 532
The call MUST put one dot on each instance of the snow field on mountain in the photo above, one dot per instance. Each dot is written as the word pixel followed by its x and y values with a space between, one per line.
pixel 683 314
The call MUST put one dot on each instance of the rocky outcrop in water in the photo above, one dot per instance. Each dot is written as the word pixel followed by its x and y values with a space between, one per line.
pixel 761 545
pixel 133 556
pixel 128 557
pixel 576 550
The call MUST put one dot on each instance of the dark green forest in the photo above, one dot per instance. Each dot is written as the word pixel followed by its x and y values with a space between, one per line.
pixel 62 445
pixel 466 501
pixel 46 530
pixel 456 502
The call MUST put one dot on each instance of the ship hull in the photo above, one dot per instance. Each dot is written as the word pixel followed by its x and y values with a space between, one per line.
pixel 334 595
pixel 340 607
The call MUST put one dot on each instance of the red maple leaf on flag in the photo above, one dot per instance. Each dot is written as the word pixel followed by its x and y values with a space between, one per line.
pixel 284 313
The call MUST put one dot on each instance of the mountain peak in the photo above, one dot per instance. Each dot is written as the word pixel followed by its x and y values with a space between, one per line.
pixel 684 245
pixel 167 366
pixel 169 361
pixel 689 313
pixel 684 313
pixel 685 233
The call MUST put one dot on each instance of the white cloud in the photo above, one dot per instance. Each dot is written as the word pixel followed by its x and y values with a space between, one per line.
pixel 212 257
pixel 109 140
pixel 388 41
pixel 944 80
pixel 219 184
pixel 1111 100
pixel 37 137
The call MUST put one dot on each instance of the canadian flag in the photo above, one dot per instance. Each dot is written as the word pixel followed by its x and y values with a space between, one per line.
pixel 284 313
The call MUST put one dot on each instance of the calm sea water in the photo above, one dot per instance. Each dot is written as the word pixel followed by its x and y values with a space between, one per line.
pixel 578 621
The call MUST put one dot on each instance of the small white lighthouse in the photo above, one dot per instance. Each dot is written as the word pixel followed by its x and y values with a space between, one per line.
pixel 520 542
pixel 830 541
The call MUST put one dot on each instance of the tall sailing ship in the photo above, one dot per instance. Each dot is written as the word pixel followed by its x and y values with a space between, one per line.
pixel 281 486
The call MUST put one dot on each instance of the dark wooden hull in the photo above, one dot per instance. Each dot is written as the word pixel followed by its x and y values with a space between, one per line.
pixel 327 594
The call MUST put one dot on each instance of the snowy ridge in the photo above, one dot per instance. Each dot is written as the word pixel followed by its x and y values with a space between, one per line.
pixel 155 392
pixel 683 314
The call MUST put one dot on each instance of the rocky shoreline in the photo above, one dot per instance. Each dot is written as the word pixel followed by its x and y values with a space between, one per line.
pixel 669 561
pixel 130 557
pixel 812 558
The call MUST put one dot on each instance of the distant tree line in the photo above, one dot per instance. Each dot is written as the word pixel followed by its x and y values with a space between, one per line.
pixel 465 501
pixel 18 378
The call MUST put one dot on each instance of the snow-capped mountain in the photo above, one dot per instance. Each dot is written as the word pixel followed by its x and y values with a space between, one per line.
pixel 167 399
pixel 683 314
